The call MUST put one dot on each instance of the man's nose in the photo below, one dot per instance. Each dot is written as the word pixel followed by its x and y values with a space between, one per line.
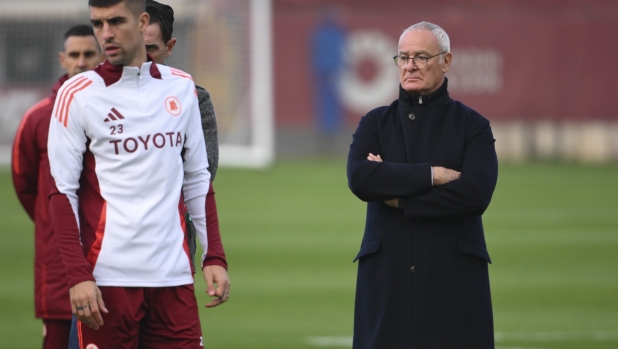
pixel 107 32
pixel 81 61
pixel 411 65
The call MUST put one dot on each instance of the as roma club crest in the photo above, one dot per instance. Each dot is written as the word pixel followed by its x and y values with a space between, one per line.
pixel 172 105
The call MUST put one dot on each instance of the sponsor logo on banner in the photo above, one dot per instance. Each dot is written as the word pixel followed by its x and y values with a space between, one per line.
pixel 370 78
pixel 476 71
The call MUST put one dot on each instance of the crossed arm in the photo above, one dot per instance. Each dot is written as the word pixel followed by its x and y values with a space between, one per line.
pixel 441 175
pixel 409 186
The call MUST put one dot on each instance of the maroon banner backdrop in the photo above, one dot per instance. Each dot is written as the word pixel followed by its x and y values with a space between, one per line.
pixel 524 60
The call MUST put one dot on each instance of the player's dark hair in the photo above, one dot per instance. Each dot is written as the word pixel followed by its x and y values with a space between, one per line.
pixel 163 15
pixel 136 6
pixel 79 30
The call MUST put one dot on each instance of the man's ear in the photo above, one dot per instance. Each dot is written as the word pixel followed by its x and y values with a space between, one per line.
pixel 169 47
pixel 143 20
pixel 448 58
pixel 61 57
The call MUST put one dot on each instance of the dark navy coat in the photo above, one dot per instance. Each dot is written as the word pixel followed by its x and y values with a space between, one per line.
pixel 422 275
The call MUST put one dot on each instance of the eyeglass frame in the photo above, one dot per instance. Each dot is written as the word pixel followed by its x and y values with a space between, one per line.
pixel 414 60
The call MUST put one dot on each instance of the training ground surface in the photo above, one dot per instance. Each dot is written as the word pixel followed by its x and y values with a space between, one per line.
pixel 291 234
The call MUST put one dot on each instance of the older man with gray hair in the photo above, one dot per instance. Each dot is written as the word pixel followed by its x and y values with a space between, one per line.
pixel 426 166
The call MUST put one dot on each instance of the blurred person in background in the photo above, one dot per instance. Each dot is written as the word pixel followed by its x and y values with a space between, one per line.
pixel 30 167
pixel 159 45
pixel 327 44
pixel 426 166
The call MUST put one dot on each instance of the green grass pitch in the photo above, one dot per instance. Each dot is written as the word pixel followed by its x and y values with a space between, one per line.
pixel 291 233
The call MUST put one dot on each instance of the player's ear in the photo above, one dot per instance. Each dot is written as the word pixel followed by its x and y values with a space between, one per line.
pixel 448 58
pixel 61 57
pixel 169 47
pixel 143 20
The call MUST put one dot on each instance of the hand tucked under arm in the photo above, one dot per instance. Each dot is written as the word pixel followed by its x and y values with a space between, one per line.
pixel 376 158
pixel 467 193
pixel 443 175
pixel 379 180
pixel 392 202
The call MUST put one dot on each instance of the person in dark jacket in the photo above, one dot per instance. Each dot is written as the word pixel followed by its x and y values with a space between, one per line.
pixel 31 179
pixel 426 166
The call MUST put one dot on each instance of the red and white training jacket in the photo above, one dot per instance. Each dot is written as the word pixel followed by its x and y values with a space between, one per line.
pixel 124 144
pixel 31 179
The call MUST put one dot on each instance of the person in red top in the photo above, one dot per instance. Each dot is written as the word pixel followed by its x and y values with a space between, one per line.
pixel 31 179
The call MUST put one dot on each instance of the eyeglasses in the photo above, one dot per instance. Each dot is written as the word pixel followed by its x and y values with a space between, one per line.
pixel 419 61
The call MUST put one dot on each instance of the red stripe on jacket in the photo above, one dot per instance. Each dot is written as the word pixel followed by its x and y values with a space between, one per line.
pixel 17 144
pixel 95 249
pixel 182 208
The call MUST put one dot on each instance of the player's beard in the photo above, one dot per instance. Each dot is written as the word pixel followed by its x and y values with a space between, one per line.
pixel 124 57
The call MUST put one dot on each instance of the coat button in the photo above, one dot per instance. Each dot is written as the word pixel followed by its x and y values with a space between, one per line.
pixel 411 116
pixel 412 269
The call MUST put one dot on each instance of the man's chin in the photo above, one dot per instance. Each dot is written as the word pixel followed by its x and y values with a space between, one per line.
pixel 412 88
pixel 116 60
pixel 72 74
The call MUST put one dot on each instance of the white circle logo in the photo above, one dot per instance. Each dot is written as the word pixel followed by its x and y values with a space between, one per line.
pixel 370 49
pixel 172 105
pixel 91 346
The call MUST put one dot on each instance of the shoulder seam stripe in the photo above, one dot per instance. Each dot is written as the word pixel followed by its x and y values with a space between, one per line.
pixel 62 97
pixel 178 72
pixel 69 99
pixel 183 76
pixel 20 130
pixel 66 116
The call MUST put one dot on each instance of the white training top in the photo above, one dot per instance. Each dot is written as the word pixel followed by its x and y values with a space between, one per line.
pixel 141 129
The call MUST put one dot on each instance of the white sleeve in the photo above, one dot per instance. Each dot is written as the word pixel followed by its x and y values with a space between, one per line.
pixel 66 145
pixel 197 177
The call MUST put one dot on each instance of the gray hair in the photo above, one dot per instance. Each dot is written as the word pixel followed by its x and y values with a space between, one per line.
pixel 440 34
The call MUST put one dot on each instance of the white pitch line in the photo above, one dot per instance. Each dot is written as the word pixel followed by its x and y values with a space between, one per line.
pixel 500 337
pixel 539 337
pixel 345 342
pixel 518 348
